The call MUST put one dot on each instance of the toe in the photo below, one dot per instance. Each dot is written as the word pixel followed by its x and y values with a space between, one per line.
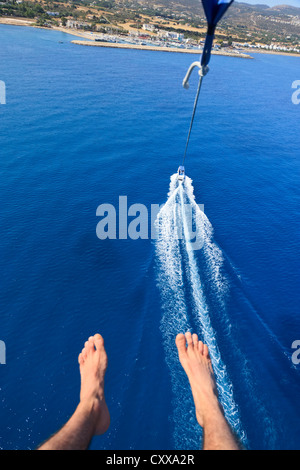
pixel 84 354
pixel 195 340
pixel 92 343
pixel 205 351
pixel 98 341
pixel 89 346
pixel 80 359
pixel 200 347
pixel 189 339
pixel 181 343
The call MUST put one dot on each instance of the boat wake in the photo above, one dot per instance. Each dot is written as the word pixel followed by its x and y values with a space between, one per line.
pixel 185 236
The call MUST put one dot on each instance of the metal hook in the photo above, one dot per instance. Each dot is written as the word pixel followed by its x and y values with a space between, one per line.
pixel 203 70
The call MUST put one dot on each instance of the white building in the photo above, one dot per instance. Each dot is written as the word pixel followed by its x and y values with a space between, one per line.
pixel 149 27
pixel 77 24
pixel 170 35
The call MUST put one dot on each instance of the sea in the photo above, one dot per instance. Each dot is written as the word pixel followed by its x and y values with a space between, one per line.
pixel 85 129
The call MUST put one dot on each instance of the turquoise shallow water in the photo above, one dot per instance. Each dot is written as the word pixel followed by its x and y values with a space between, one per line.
pixel 83 126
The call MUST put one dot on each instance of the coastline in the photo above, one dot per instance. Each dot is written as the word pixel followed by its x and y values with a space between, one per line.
pixel 156 48
pixel 259 51
pixel 83 35
pixel 8 21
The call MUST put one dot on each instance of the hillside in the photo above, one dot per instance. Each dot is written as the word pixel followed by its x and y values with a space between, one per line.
pixel 257 22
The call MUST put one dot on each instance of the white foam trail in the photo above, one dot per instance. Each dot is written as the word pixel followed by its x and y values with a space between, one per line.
pixel 179 278
pixel 171 284
pixel 212 252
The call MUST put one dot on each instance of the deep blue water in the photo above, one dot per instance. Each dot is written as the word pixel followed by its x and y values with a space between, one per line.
pixel 83 126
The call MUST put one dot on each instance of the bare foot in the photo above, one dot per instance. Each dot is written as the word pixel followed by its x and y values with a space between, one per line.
pixel 93 364
pixel 195 360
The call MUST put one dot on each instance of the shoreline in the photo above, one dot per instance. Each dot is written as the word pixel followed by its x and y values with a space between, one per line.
pixel 12 21
pixel 259 51
pixel 155 48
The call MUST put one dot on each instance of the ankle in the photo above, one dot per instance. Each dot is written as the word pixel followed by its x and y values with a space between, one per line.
pixel 89 406
pixel 210 413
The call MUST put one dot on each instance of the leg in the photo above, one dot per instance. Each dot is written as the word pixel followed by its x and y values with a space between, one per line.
pixel 196 362
pixel 91 416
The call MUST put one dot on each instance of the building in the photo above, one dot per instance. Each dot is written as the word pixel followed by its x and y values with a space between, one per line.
pixel 77 24
pixel 149 27
pixel 170 35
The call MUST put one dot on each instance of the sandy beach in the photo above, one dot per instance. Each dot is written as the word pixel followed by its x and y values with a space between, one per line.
pixel 32 23
pixel 17 21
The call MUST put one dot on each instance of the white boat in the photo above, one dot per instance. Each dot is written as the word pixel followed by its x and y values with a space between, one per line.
pixel 181 173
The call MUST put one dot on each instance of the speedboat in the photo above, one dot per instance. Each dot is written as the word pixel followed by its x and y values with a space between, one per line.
pixel 181 173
